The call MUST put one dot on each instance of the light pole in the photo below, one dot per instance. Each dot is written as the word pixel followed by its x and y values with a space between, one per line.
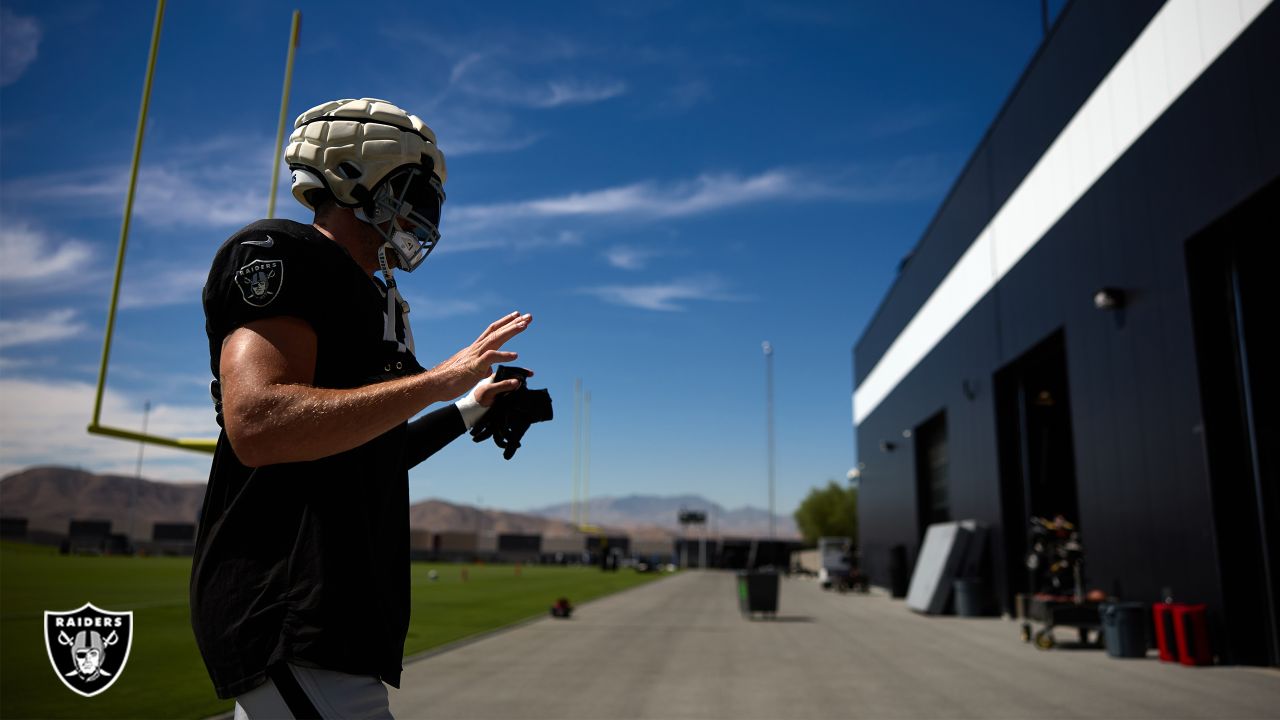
pixel 768 384
pixel 137 473
pixel 586 462
pixel 577 451
pixel 684 540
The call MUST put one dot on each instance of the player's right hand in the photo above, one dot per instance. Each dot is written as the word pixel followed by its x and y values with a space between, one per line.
pixel 475 362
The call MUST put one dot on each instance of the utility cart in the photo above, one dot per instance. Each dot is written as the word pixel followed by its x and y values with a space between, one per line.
pixel 1055 568
pixel 1057 611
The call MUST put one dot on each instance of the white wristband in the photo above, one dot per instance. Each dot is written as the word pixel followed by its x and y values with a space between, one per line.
pixel 471 408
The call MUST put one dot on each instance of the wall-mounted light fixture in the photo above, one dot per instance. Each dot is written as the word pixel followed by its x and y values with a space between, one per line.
pixel 887 446
pixel 906 433
pixel 1108 298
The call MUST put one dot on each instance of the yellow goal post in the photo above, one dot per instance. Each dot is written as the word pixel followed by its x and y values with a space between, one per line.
pixel 96 427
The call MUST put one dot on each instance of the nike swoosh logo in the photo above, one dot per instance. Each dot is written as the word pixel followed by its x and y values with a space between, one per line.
pixel 260 243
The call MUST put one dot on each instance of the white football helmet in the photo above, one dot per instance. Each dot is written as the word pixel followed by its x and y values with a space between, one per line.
pixel 381 161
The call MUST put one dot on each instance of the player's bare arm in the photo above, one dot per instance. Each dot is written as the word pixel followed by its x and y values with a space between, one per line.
pixel 273 414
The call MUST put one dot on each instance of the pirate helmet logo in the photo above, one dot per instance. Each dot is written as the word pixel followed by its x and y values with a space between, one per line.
pixel 88 647
pixel 260 281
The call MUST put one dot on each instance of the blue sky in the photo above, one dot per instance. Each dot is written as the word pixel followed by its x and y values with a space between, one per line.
pixel 663 185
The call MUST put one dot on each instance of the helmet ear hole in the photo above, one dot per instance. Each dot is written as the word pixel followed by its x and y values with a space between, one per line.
pixel 348 170
pixel 318 198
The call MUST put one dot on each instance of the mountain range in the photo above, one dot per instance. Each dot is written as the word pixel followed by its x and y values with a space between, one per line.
pixel 663 511
pixel 49 497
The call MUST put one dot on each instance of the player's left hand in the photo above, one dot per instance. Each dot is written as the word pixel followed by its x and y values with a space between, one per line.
pixel 488 391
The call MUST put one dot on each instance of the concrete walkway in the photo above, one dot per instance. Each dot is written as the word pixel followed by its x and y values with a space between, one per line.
pixel 678 648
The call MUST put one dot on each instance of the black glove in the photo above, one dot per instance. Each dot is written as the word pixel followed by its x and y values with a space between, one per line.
pixel 512 413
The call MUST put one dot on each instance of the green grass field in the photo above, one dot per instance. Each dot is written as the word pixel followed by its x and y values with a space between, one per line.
pixel 165 677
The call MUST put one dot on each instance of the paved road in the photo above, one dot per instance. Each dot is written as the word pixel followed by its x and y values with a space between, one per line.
pixel 679 649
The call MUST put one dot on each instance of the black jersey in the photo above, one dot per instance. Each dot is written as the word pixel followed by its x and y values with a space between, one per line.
pixel 304 562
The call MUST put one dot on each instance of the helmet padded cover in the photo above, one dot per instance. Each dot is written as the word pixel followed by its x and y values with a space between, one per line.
pixel 346 154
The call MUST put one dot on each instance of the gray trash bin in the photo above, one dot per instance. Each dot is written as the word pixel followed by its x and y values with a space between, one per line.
pixel 1124 629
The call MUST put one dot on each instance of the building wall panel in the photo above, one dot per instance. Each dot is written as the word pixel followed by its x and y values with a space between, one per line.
pixel 1141 474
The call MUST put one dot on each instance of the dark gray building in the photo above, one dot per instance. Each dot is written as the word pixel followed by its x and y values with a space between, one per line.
pixel 1082 328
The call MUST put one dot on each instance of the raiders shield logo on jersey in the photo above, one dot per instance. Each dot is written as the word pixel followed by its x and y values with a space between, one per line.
pixel 260 281
pixel 88 647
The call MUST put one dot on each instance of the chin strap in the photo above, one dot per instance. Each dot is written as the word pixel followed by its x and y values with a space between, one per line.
pixel 396 306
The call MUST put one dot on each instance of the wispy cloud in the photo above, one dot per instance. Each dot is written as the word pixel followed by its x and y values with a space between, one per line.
pixel 466 295
pixel 467 130
pixel 50 327
pixel 460 68
pixel 42 421
pixel 653 200
pixel 157 285
pixel 33 263
pixel 904 120
pixel 665 297
pixel 468 142
pixel 490 78
pixel 522 44
pixel 578 92
pixel 12 364
pixel 19 45
pixel 468 240
pixel 202 190
pixel 518 68
pixel 682 96
pixel 165 196
pixel 30 255
pixel 558 221
pixel 495 75
pixel 629 258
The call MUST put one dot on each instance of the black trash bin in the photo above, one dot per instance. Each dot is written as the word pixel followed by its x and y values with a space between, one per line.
pixel 1124 629
pixel 968 594
pixel 758 592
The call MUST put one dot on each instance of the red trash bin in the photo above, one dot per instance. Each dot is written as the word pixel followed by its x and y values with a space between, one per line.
pixel 1192 630
pixel 1166 636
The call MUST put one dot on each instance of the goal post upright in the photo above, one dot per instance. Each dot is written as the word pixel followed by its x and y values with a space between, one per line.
pixel 96 427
